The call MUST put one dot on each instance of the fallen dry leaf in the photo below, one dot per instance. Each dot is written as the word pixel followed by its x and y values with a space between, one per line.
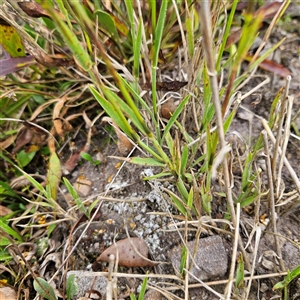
pixel 269 10
pixel 128 256
pixel 272 66
pixel 83 186
pixel 171 86
pixel 168 108
pixel 35 10
pixel 124 144
pixel 4 211
pixel 7 293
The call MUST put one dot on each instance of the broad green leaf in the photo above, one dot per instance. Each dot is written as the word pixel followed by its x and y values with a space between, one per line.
pixel 44 289
pixel 54 174
pixel 24 157
pixel 106 21
pixel 291 275
pixel 146 161
pixel 10 40
pixel 88 157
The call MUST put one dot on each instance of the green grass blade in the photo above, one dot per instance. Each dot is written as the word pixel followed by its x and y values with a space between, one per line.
pixel 184 160
pixel 190 35
pixel 156 47
pixel 126 110
pixel 143 289
pixel 75 196
pixel 137 50
pixel 10 231
pixel 174 117
pixel 137 97
pixel 114 112
pixel 226 34
pixel 70 38
pixel 146 161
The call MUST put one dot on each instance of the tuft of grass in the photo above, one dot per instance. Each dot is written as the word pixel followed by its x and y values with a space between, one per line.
pixel 92 59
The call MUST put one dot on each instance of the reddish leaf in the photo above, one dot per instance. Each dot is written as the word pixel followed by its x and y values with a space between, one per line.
pixel 10 65
pixel 128 257
pixel 24 137
pixel 233 37
pixel 73 160
pixel 35 10
pixel 30 134
pixel 272 66
pixel 269 10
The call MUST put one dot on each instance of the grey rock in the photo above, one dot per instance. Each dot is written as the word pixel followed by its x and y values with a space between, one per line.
pixel 85 282
pixel 210 261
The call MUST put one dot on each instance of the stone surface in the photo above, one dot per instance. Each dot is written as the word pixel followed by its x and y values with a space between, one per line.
pixel 85 282
pixel 210 261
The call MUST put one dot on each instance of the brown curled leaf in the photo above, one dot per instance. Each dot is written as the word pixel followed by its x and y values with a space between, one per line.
pixel 171 86
pixel 124 144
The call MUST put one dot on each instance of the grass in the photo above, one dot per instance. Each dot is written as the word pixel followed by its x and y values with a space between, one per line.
pixel 94 60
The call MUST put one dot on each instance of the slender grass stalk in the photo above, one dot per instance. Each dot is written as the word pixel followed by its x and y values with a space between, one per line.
pixel 155 52
pixel 208 51
pixel 226 34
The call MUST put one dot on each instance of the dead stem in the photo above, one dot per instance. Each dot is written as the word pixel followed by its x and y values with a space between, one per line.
pixel 271 198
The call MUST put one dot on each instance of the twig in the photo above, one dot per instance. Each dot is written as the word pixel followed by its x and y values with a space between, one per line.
pixel 287 127
pixel 286 162
pixel 234 254
pixel 271 198
pixel 257 239
pixel 208 51
pixel 206 286
pixel 279 129
pixel 109 287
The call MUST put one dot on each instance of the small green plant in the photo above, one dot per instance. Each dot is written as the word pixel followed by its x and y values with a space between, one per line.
pixel 88 157
pixel 283 285
pixel 142 291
